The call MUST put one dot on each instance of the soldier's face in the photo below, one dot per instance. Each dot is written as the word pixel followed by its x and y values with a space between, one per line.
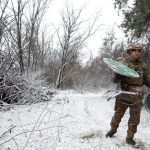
pixel 136 53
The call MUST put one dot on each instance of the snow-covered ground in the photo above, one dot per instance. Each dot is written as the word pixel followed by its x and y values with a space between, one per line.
pixel 70 121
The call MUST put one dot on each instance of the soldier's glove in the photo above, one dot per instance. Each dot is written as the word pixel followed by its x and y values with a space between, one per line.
pixel 117 77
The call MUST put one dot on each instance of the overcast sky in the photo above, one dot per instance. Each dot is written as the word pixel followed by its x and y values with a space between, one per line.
pixel 109 19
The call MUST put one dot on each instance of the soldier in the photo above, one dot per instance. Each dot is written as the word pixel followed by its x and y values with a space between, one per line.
pixel 133 102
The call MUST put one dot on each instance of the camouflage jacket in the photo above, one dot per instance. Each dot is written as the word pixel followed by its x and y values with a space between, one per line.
pixel 133 84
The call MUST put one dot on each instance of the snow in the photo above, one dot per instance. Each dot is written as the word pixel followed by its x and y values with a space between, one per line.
pixel 70 121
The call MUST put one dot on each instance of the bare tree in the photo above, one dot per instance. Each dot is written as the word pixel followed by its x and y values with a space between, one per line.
pixel 18 12
pixel 7 56
pixel 22 27
pixel 72 41
pixel 3 17
pixel 36 12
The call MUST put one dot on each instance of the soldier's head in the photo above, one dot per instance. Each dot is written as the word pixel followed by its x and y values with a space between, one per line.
pixel 134 50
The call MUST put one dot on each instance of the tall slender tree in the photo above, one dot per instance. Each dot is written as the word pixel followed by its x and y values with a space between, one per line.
pixel 72 41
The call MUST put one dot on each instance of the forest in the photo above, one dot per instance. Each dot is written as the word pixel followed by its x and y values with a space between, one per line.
pixel 46 69
pixel 27 49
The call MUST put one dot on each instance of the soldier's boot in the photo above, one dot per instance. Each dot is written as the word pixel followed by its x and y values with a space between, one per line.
pixel 130 141
pixel 110 133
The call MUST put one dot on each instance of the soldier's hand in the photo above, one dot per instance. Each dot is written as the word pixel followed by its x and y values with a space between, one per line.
pixel 138 93
pixel 117 77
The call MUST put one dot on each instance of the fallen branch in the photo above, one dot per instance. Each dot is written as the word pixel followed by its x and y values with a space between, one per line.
pixel 35 126
pixel 7 131
pixel 27 132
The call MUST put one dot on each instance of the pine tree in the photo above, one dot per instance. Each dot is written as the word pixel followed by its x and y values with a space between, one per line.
pixel 136 18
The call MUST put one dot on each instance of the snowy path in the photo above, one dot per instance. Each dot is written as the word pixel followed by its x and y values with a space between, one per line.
pixel 61 124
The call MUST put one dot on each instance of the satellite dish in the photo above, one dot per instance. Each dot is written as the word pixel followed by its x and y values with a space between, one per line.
pixel 120 68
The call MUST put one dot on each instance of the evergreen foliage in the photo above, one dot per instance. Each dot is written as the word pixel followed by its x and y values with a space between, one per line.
pixel 136 18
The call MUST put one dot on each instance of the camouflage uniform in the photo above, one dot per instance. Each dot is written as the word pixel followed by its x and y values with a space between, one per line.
pixel 134 102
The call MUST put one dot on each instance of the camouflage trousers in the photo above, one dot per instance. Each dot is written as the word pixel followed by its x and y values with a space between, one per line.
pixel 134 119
